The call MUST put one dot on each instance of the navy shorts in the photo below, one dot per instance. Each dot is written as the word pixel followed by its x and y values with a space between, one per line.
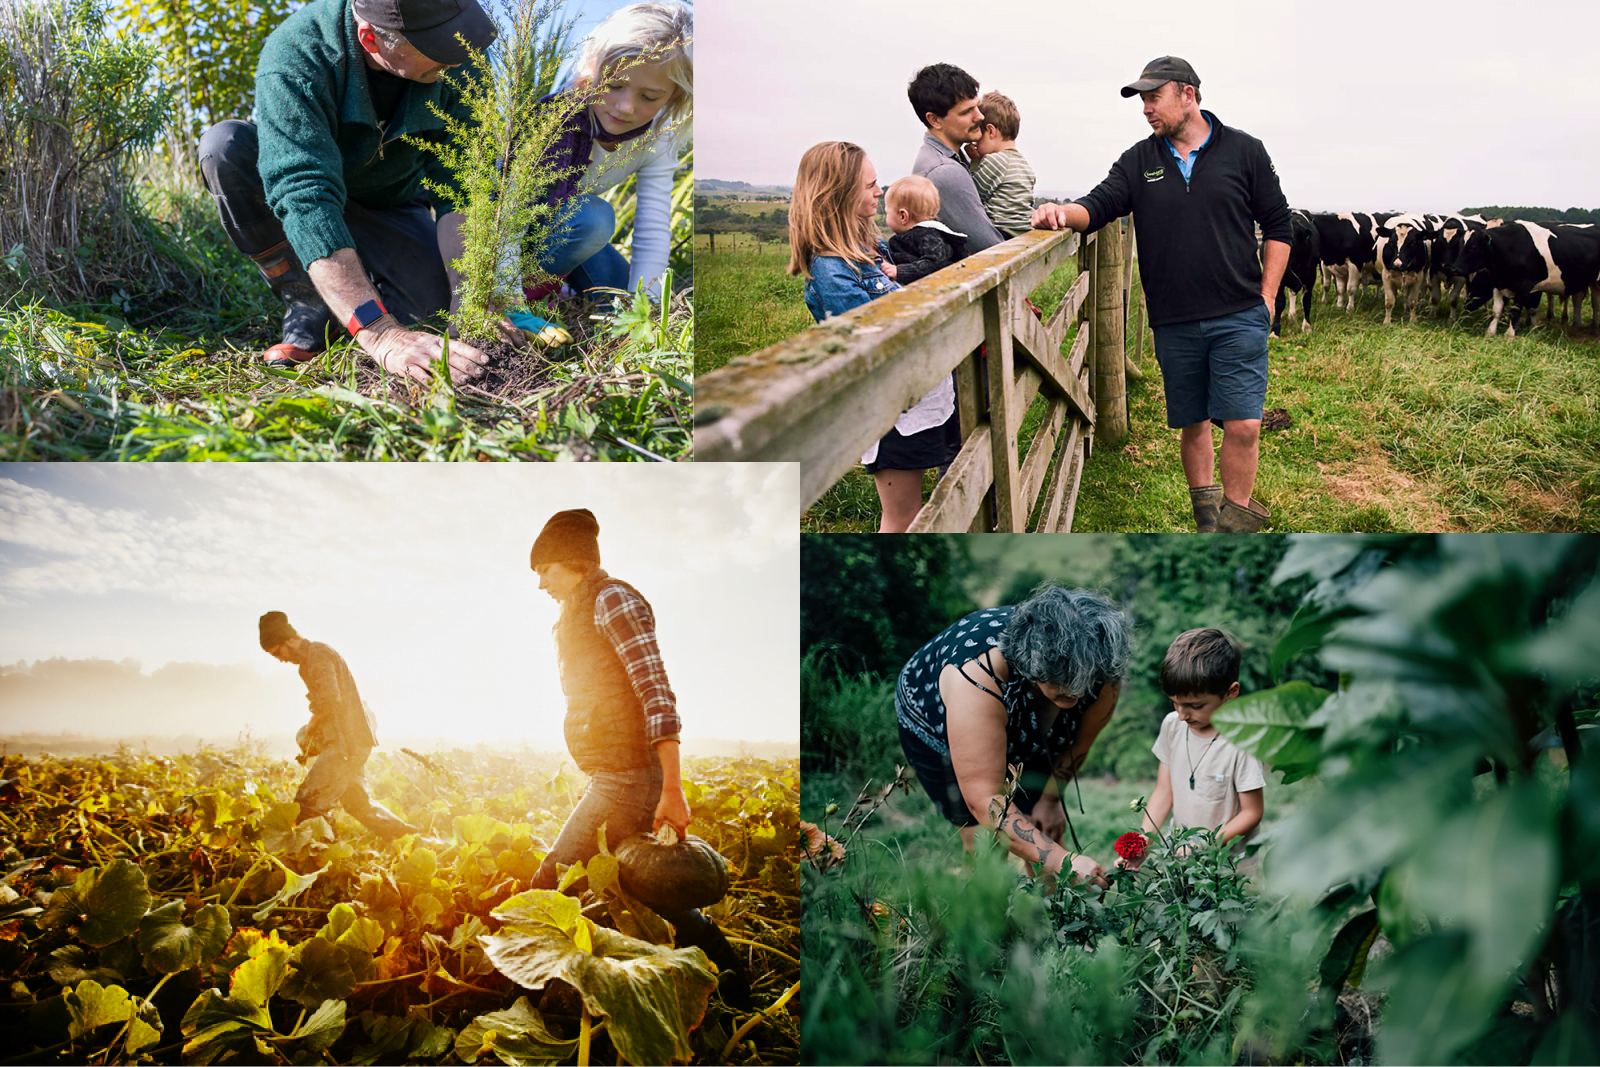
pixel 1215 368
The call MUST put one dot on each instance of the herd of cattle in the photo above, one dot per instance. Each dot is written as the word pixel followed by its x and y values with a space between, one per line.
pixel 1447 257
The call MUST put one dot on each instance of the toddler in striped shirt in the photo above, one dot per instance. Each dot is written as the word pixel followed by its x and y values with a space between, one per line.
pixel 1003 177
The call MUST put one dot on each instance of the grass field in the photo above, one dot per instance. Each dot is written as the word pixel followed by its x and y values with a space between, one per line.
pixel 173 371
pixel 1427 427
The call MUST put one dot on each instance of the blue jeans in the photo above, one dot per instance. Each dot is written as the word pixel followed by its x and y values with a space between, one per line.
pixel 582 251
pixel 1215 368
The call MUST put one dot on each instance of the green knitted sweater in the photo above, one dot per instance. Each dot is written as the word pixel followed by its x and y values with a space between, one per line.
pixel 321 143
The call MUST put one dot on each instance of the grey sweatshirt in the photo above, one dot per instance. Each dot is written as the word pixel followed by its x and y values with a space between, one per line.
pixel 959 206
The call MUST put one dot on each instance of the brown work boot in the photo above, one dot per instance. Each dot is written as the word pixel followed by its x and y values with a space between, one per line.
pixel 1207 501
pixel 1243 520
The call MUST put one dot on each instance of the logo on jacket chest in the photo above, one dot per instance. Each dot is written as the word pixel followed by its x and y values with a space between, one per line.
pixel 1155 175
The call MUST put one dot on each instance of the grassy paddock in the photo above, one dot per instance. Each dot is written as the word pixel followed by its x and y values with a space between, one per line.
pixel 1427 427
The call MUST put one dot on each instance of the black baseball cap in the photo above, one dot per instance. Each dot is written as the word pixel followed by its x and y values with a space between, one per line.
pixel 431 26
pixel 1159 71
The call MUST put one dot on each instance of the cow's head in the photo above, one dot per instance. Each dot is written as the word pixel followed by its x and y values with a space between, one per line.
pixel 1474 255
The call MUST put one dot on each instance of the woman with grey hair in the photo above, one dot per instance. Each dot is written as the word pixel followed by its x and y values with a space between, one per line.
pixel 1029 686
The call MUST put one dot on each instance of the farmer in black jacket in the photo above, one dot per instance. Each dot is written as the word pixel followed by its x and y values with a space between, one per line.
pixel 340 735
pixel 1196 189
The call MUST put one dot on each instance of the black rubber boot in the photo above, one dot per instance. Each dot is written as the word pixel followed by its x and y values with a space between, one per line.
pixel 306 319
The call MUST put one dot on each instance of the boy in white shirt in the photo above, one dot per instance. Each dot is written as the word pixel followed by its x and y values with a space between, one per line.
pixel 1204 780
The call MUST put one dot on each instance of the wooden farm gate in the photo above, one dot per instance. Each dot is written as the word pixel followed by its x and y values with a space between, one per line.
pixel 823 396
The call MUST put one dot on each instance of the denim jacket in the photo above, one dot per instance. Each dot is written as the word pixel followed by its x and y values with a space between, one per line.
pixel 836 285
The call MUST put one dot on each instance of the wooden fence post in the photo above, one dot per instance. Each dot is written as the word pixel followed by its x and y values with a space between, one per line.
pixel 1107 341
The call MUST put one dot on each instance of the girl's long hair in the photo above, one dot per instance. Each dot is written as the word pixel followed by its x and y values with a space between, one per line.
pixel 822 214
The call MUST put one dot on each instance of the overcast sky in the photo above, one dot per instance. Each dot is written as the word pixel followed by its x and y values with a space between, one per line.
pixel 416 573
pixel 1362 105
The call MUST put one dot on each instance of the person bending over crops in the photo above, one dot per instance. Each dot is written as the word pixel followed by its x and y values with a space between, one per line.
pixel 834 243
pixel 324 192
pixel 643 56
pixel 340 736
pixel 622 719
pixel 1030 687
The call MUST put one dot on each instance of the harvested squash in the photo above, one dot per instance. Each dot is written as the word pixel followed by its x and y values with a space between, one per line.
pixel 673 875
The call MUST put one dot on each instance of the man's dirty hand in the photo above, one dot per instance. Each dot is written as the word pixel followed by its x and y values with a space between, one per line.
pixel 413 354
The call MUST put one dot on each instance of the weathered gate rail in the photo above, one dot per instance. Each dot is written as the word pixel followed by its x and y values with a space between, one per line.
pixel 824 395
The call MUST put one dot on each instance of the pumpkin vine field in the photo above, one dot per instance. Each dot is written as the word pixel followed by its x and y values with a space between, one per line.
pixel 160 910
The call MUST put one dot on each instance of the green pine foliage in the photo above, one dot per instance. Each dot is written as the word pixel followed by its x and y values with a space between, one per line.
pixel 497 159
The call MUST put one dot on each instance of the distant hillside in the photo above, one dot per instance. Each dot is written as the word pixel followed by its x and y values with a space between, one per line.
pixel 715 185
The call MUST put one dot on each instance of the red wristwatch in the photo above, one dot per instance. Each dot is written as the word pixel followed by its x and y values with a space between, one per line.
pixel 365 316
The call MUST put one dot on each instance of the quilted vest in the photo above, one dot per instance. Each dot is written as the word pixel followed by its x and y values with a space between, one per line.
pixel 605 720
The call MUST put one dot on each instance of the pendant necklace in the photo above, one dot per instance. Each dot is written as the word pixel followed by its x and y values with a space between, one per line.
pixel 1193 764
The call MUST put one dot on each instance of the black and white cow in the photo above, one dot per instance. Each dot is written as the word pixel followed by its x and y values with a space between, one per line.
pixel 1301 273
pixel 1524 259
pixel 1447 282
pixel 1401 251
pixel 1346 245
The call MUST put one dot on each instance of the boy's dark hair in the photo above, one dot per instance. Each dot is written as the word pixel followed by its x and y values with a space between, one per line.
pixel 1200 663
pixel 1000 112
pixel 937 88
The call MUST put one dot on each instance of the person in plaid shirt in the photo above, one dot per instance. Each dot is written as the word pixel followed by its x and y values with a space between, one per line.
pixel 622 720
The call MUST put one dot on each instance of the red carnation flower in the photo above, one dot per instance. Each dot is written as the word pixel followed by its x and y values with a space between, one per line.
pixel 1131 845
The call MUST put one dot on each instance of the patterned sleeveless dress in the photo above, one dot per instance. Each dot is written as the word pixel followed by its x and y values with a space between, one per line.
pixel 920 712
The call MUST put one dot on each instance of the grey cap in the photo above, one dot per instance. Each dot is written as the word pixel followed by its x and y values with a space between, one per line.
pixel 1159 71
pixel 431 26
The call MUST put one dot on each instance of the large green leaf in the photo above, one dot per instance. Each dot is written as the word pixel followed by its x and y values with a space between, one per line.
pixel 1363 825
pixel 1272 724
pixel 346 927
pixel 169 945
pixel 109 901
pixel 1489 869
pixel 1570 1040
pixel 393 1039
pixel 322 1029
pixel 1347 956
pixel 515 1036
pixel 1568 651
pixel 1434 1005
pixel 323 971
pixel 652 996
pixel 91 1005
pixel 293 885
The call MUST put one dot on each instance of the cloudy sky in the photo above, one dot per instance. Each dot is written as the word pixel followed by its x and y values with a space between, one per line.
pixel 417 574
pixel 1363 105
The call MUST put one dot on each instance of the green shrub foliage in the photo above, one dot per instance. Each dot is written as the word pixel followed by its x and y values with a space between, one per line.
pixel 75 101
pixel 207 50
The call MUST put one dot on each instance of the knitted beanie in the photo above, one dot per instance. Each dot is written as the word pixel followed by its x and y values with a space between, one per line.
pixel 569 536
pixel 275 630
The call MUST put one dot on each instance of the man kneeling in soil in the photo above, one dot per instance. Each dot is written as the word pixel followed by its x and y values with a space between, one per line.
pixel 341 733
pixel 325 194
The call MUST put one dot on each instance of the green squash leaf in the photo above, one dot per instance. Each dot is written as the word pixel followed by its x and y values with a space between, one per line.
pixel 323 1028
pixel 293 885
pixel 109 901
pixel 652 996
pixel 515 1036
pixel 322 972
pixel 93 1005
pixel 170 946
